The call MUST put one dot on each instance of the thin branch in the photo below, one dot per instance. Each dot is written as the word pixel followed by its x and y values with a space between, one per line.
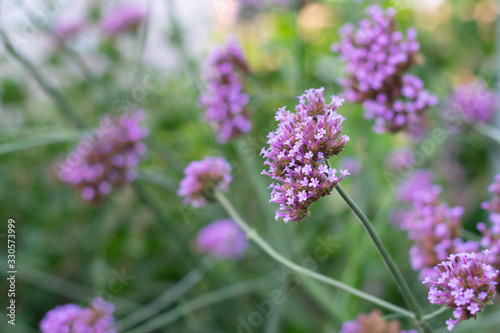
pixel 254 236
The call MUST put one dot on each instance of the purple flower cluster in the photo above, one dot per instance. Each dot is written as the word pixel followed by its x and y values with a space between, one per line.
pixel 491 238
pixel 472 102
pixel 68 29
pixel 402 112
pixel 121 19
pixel 202 178
pixel 377 57
pixel 493 206
pixel 433 227
pixel 465 283
pixel 421 179
pixel 224 99
pixel 297 153
pixel 223 239
pixel 71 318
pixel 107 158
pixel 400 159
pixel 491 235
pixel 372 323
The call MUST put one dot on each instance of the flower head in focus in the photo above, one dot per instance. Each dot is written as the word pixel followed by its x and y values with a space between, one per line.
pixel 202 178
pixel 96 318
pixel 297 153
pixel 372 323
pixel 466 284
pixel 223 239
pixel 107 157
pixel 224 99
pixel 121 19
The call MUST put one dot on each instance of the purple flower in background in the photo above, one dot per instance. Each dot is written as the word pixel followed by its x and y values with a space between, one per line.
pixel 402 112
pixel 223 239
pixel 400 158
pixel 472 102
pixel 297 153
pixel 350 163
pixel 465 284
pixel 107 157
pixel 433 227
pixel 202 178
pixel 377 57
pixel 71 318
pixel 491 238
pixel 376 54
pixel 224 99
pixel 491 235
pixel 372 323
pixel 121 19
pixel 68 29
pixel 493 205
pixel 421 179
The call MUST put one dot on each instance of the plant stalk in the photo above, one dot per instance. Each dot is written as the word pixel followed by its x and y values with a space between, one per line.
pixel 254 236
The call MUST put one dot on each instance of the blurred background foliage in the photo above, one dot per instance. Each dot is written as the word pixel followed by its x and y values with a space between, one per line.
pixel 71 251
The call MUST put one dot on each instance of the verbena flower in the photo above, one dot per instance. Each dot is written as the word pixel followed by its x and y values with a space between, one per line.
pixel 401 112
pixel 491 238
pixel 472 102
pixel 466 283
pixel 372 323
pixel 223 239
pixel 401 158
pixel 376 54
pixel 202 178
pixel 68 29
pixel 297 153
pixel 421 179
pixel 377 57
pixel 224 99
pixel 107 158
pixel 123 18
pixel 433 226
pixel 351 163
pixel 493 205
pixel 71 318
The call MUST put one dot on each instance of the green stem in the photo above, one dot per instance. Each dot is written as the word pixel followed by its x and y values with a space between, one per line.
pixel 168 297
pixel 435 313
pixel 489 131
pixel 386 258
pixel 202 302
pixel 56 96
pixel 254 236
pixel 37 141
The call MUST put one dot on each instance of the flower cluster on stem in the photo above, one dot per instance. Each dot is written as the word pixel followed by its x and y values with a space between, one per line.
pixel 224 99
pixel 96 318
pixel 372 323
pixel 465 283
pixel 107 158
pixel 433 226
pixel 202 178
pixel 472 102
pixel 378 56
pixel 297 152
pixel 223 239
